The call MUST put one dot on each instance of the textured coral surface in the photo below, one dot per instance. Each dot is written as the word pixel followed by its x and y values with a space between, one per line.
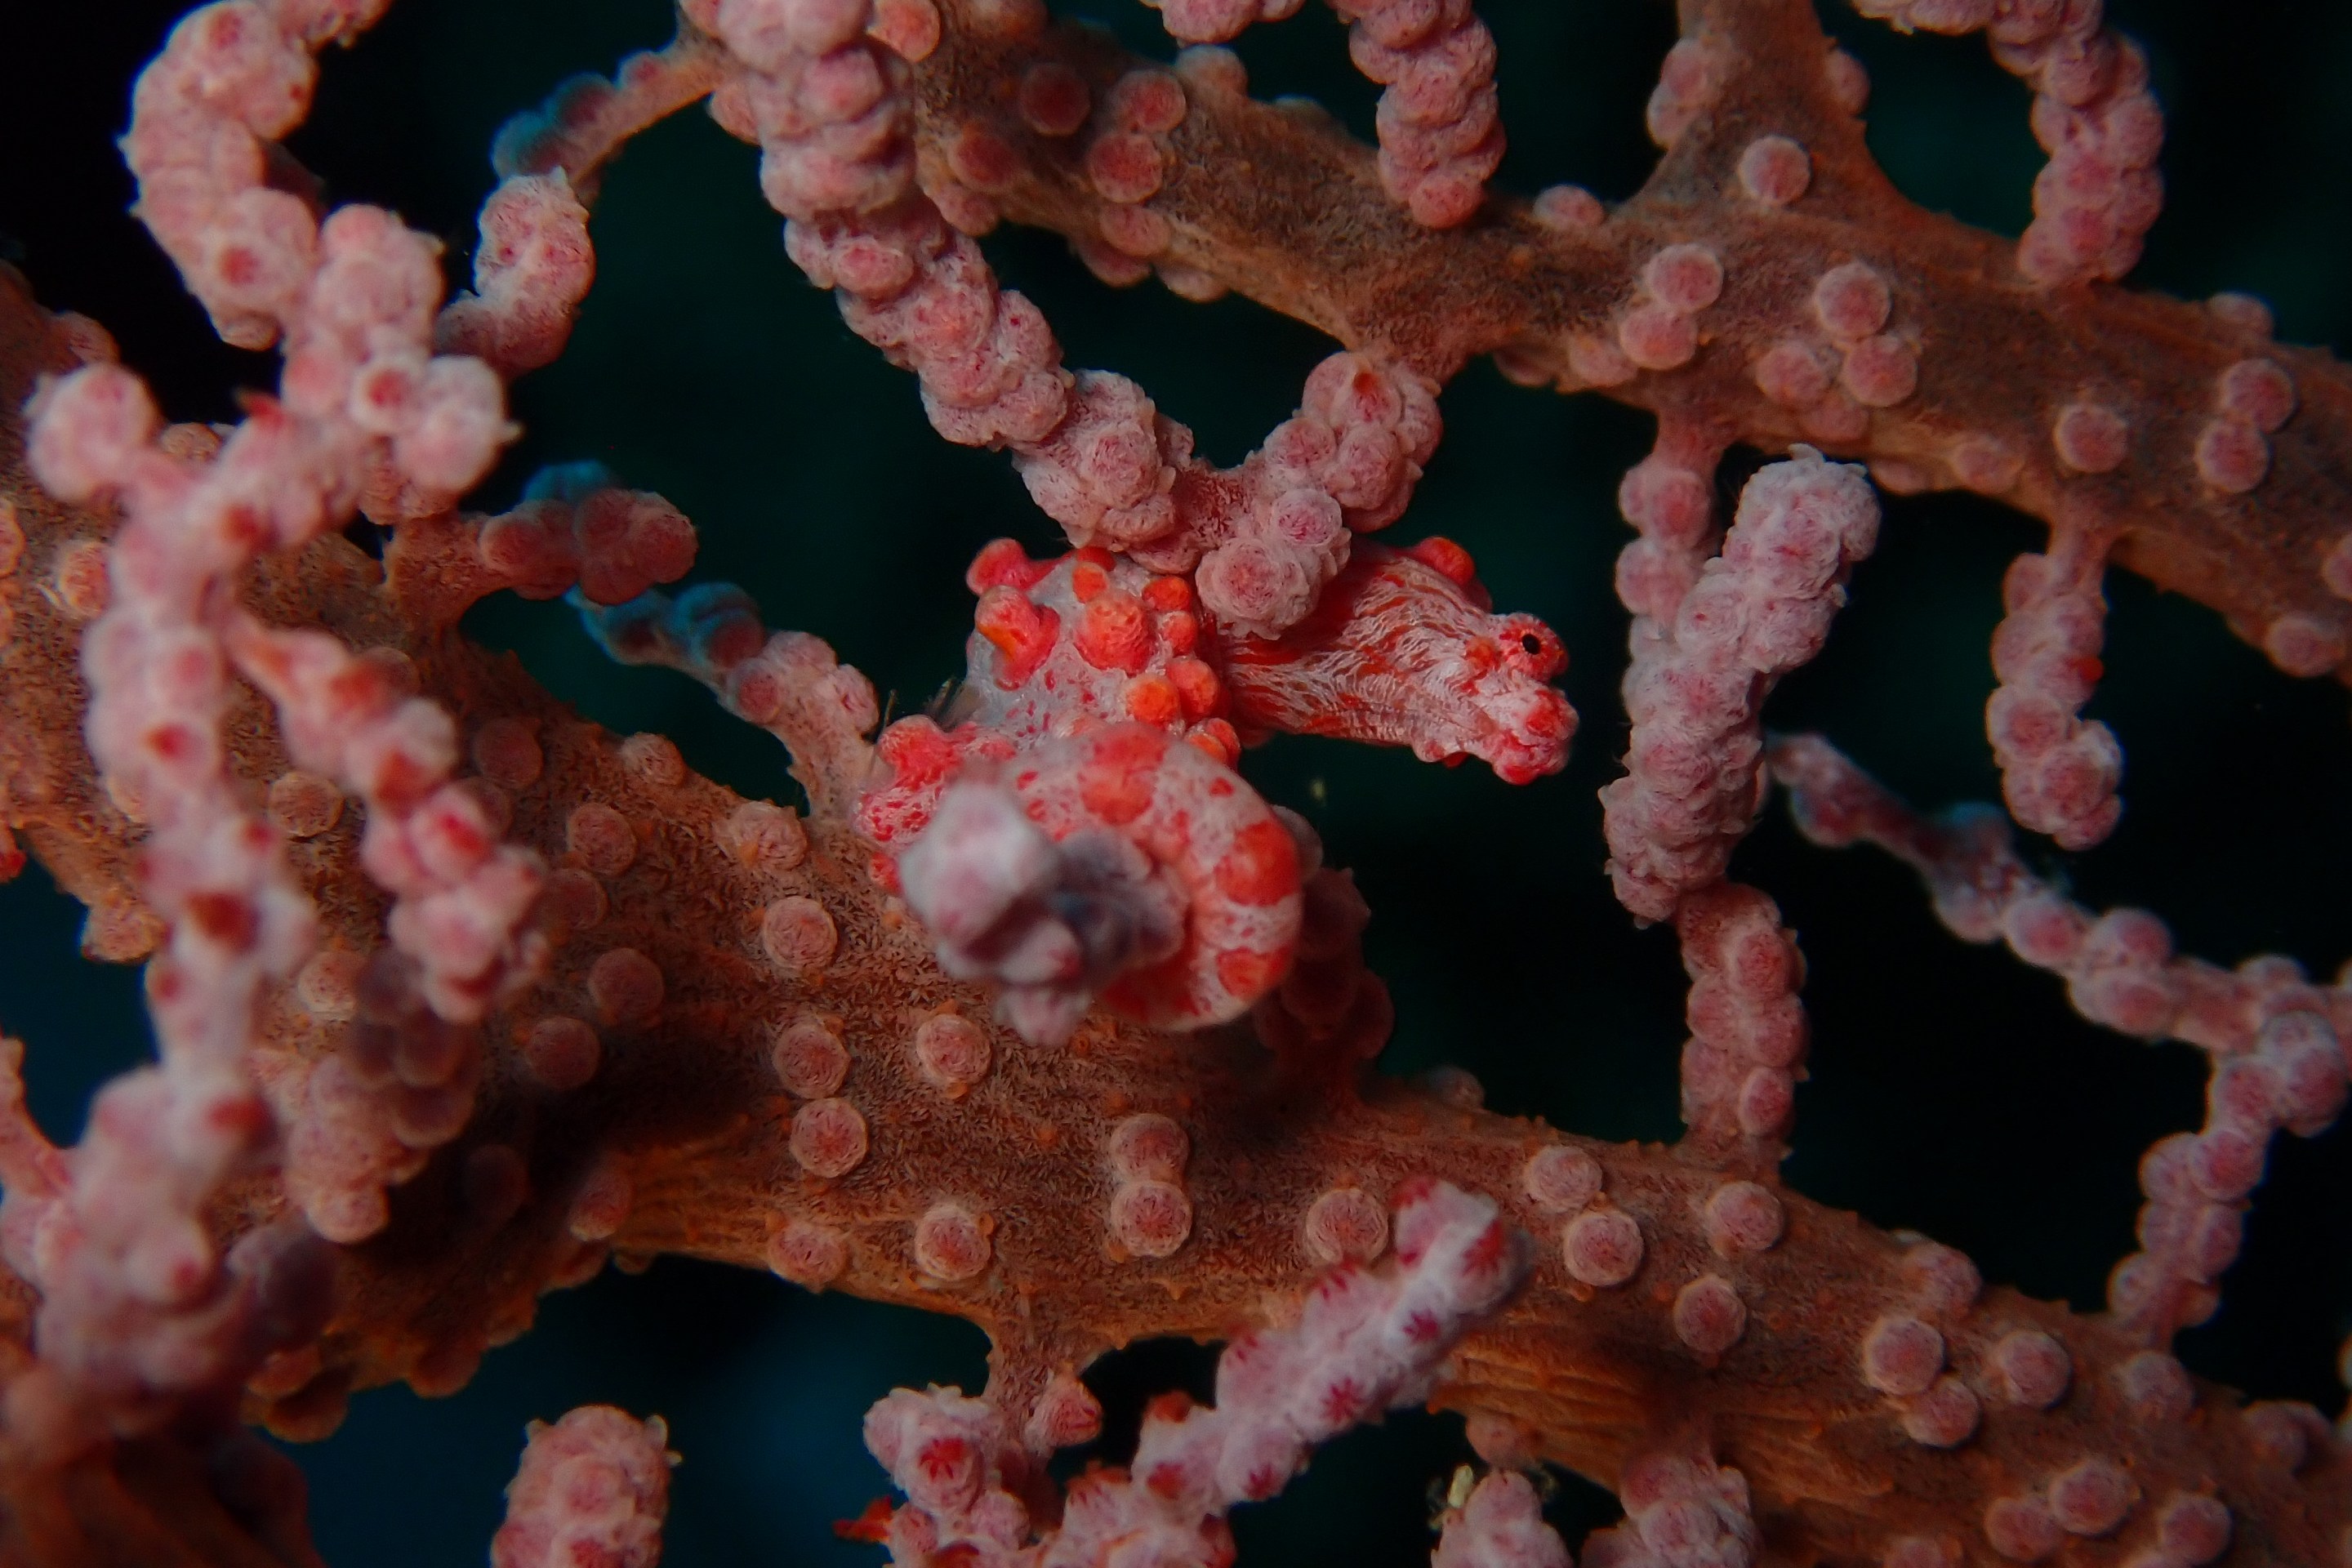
pixel 681 1142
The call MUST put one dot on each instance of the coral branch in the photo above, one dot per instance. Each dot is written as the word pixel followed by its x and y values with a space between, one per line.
pixel 2058 772
pixel 2277 1041
pixel 1694 774
pixel 2093 113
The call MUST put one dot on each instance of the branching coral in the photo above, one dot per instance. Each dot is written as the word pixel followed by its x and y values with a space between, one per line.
pixel 1041 1015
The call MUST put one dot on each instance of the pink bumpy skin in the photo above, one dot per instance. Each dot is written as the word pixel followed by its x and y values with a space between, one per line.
pixel 1346 463
pixel 1363 1342
pixel 1330 1015
pixel 1694 771
pixel 1058 648
pixel 1403 650
pixel 1091 638
pixel 1119 863
pixel 589 1493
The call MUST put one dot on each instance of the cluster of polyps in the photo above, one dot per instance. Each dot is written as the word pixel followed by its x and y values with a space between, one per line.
pixel 1440 135
pixel 1759 609
pixel 2059 771
pixel 592 1487
pixel 140 1310
pixel 1261 541
pixel 1843 362
pixel 2093 113
pixel 1151 1214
